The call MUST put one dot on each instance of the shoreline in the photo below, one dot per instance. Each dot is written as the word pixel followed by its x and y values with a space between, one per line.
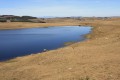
pixel 22 25
pixel 96 58
pixel 66 44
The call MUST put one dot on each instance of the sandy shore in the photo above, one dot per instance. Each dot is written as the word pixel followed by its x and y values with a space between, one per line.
pixel 95 59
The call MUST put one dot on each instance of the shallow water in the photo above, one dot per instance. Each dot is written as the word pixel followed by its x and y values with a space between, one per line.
pixel 20 42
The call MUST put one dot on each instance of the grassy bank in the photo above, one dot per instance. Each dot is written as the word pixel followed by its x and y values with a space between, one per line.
pixel 19 25
pixel 94 59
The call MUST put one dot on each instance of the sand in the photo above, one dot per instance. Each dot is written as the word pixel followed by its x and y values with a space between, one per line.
pixel 98 58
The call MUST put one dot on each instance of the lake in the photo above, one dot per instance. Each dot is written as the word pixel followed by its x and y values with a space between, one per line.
pixel 21 42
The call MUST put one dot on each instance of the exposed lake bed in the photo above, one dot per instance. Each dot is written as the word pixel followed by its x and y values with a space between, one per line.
pixel 21 42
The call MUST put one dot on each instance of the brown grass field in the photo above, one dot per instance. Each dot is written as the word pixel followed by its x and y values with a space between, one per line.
pixel 98 58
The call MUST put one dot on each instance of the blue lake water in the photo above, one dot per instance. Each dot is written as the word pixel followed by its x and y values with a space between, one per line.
pixel 21 42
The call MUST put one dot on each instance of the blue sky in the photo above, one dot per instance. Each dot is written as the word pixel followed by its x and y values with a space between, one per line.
pixel 60 7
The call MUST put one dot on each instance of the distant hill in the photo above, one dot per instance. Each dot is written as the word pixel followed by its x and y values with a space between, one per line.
pixel 13 18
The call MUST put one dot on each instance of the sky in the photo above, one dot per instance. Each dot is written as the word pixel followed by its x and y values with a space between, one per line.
pixel 60 8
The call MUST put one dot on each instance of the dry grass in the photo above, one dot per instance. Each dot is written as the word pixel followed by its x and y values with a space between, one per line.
pixel 17 25
pixel 94 59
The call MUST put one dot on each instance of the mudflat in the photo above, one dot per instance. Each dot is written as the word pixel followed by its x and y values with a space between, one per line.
pixel 98 58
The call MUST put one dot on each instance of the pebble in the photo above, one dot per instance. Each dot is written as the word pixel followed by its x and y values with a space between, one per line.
pixel 69 68
pixel 106 38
